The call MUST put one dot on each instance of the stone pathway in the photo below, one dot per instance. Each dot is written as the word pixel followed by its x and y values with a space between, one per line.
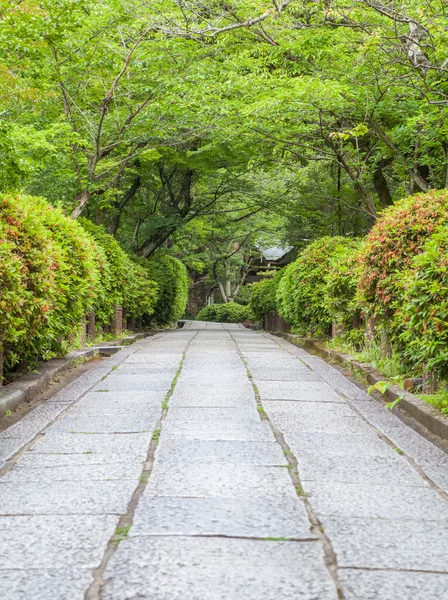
pixel 218 463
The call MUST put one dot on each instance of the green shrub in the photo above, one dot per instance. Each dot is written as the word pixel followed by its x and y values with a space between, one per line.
pixel 140 293
pixel 77 274
pixel 114 272
pixel 244 295
pixel 208 313
pixel 171 277
pixel 398 236
pixel 229 312
pixel 263 297
pixel 302 293
pixel 341 281
pixel 48 278
pixel 421 321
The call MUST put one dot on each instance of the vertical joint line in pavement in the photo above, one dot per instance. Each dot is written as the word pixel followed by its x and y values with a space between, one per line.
pixel 94 591
pixel 316 525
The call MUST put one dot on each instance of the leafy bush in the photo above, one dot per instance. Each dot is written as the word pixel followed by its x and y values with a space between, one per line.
pixel 302 293
pixel 398 236
pixel 171 277
pixel 208 313
pixel 229 312
pixel 341 281
pixel 48 278
pixel 140 293
pixel 263 297
pixel 114 273
pixel 77 274
pixel 244 295
pixel 421 322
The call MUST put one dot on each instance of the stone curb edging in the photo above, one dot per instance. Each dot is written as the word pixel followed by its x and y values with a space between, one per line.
pixel 425 414
pixel 26 387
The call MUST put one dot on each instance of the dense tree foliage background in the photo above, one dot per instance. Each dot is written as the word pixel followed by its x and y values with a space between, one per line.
pixel 211 128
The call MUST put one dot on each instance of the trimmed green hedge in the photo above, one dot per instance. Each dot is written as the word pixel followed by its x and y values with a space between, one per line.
pixel 172 280
pixel 302 292
pixel 229 312
pixel 48 278
pixel 263 296
pixel 421 322
pixel 54 270
pixel 123 281
pixel 397 237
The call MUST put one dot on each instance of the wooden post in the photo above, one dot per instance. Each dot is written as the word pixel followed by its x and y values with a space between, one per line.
pixel 117 321
pixel 131 324
pixel 124 318
pixel 91 330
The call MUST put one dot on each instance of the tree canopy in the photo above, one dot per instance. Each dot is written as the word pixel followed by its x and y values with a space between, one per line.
pixel 207 127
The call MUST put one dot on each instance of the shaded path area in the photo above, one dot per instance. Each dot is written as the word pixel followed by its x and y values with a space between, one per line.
pixel 213 463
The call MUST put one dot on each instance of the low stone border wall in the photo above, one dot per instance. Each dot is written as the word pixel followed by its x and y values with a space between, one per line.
pixel 26 387
pixel 425 414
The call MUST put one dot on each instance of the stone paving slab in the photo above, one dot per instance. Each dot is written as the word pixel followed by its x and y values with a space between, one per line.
pixel 241 517
pixel 74 472
pixel 325 444
pixel 179 450
pixel 205 414
pixel 381 470
pixel 134 383
pixel 134 444
pixel 388 585
pixel 225 481
pixel 376 501
pixel 9 447
pixel 125 423
pixel 217 569
pixel 44 584
pixel 296 390
pixel 391 544
pixel 65 497
pixel 122 399
pixel 36 460
pixel 247 431
pixel 282 375
pixel 34 421
pixel 291 417
pixel 53 542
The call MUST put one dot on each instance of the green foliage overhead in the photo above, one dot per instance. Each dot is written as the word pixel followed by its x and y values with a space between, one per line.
pixel 302 292
pixel 171 277
pixel 228 312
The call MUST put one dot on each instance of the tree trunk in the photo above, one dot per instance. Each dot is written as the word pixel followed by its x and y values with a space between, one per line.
pixel 380 183
pixel 370 330
pixel 385 345
pixel 81 200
